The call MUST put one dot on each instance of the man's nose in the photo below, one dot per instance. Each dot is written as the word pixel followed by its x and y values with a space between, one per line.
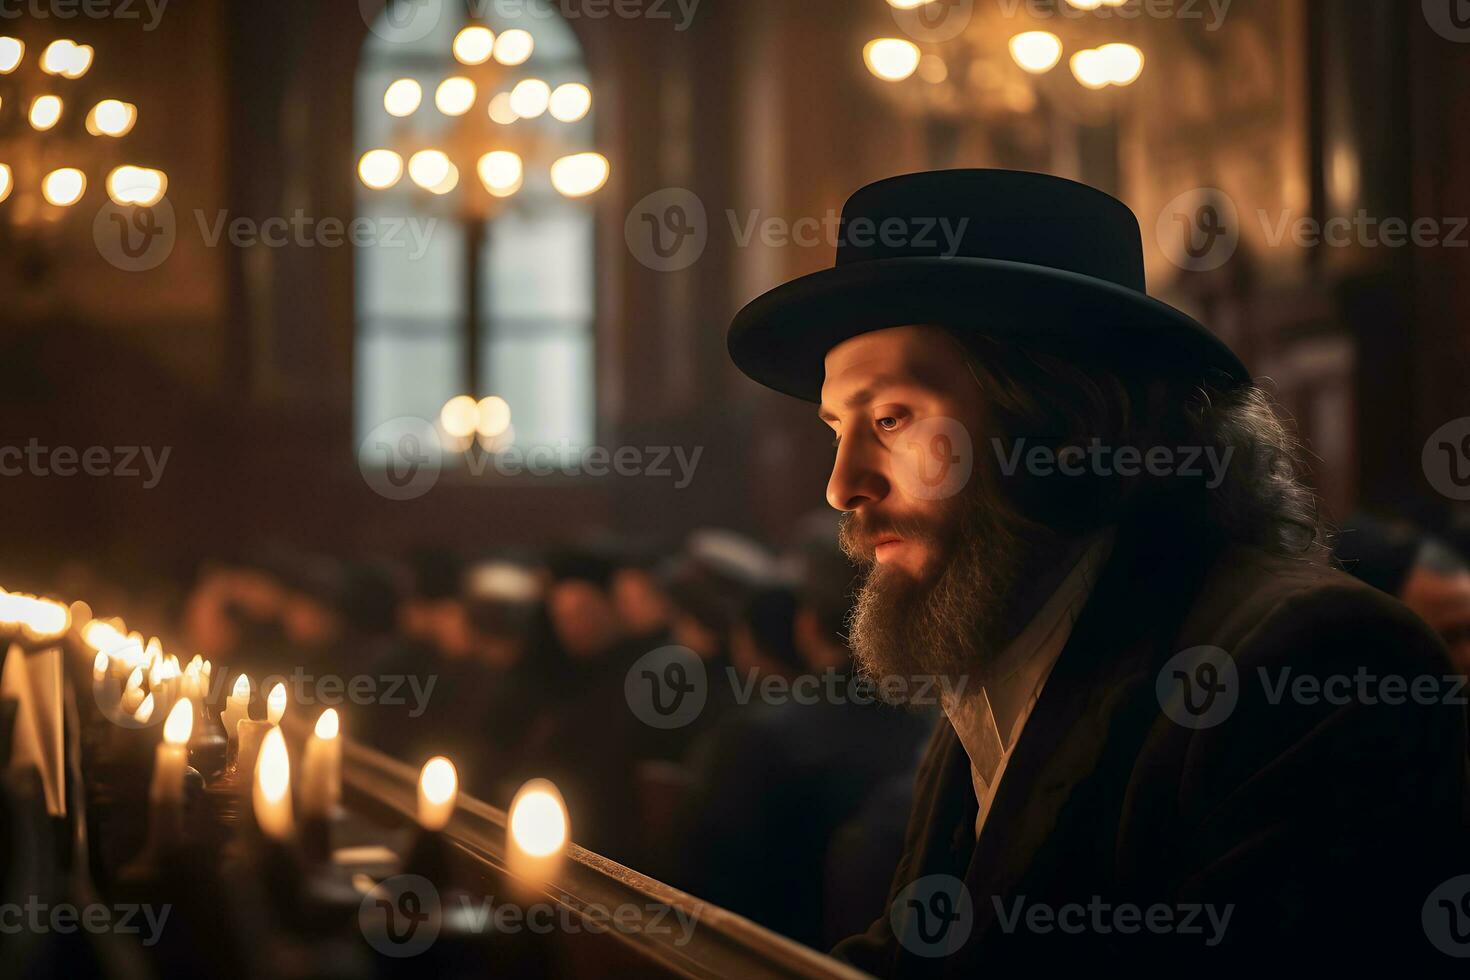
pixel 857 478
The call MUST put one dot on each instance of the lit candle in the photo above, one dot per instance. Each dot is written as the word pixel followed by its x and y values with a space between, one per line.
pixel 321 768
pixel 144 714
pixel 104 684
pixel 273 787
pixel 438 792
pixel 237 706
pixel 250 734
pixel 275 703
pixel 537 830
pixel 132 695
pixel 172 757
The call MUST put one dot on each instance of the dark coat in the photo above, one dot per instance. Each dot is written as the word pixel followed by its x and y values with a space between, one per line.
pixel 1326 825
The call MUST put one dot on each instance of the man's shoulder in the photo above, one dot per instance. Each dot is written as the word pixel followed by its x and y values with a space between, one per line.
pixel 1252 601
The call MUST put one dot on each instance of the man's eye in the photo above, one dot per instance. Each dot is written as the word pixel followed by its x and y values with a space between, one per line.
pixel 888 423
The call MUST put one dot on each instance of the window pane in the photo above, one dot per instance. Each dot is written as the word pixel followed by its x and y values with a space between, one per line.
pixel 540 264
pixel 405 375
pixel 414 268
pixel 547 379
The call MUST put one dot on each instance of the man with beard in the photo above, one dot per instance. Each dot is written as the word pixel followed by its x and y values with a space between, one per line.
pixel 1085 526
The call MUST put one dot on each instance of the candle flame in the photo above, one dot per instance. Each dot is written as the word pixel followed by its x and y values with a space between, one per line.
pixel 242 686
pixel 144 714
pixel 327 724
pixel 273 786
pixel 275 703
pixel 154 651
pixel 102 635
pixel 135 679
pixel 439 780
pixel 538 819
pixel 99 663
pixel 180 723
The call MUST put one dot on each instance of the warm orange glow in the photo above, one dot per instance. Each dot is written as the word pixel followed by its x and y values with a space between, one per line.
pixel 1122 63
pixel 1090 69
pixel 501 172
pixel 474 45
pixel 275 703
pixel 459 416
pixel 530 98
pixel 571 102
pixel 890 58
pixel 380 169
pixel 1036 51
pixel 272 794
pixel 12 50
pixel 180 723
pixel 438 791
pixel 327 725
pixel 494 416
pixel 580 174
pixel 64 187
pixel 111 118
pixel 45 112
pixel 538 819
pixel 139 186
pixel 514 47
pixel 455 96
pixel 135 679
pixel 99 664
pixel 242 687
pixel 7 181
pixel 144 714
pixel 430 169
pixel 403 97
pixel 501 111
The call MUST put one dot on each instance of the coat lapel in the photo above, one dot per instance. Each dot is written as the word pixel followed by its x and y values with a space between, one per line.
pixel 1134 611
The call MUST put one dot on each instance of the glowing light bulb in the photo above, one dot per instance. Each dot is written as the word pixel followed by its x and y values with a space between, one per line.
pixel 571 102
pixel 138 186
pixel 12 50
pixel 580 174
pixel 459 416
pixel 1036 51
pixel 514 47
pixel 45 112
pixel 501 172
pixel 474 45
pixel 112 118
pixel 380 169
pixel 403 97
pixel 494 413
pixel 64 187
pixel 530 98
pixel 891 59
pixel 455 96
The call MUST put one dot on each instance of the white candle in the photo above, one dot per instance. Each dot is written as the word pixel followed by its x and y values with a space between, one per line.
pixel 172 757
pixel 273 787
pixel 237 705
pixel 438 792
pixel 144 714
pixel 537 830
pixel 250 733
pixel 132 695
pixel 105 688
pixel 275 703
pixel 321 767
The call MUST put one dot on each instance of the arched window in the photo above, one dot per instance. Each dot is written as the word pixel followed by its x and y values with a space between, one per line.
pixel 475 276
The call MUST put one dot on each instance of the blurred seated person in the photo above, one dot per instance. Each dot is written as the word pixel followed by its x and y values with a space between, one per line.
pixel 1423 572
pixel 641 601
pixel 779 773
pixel 430 602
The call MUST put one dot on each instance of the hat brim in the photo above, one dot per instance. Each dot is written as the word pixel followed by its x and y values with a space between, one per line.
pixel 781 338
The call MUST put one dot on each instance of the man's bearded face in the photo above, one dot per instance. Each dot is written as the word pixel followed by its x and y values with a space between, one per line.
pixel 941 569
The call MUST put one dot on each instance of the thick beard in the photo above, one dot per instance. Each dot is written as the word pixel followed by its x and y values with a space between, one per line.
pixel 952 624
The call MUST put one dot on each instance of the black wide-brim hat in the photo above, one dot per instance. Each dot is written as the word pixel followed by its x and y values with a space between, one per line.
pixel 1029 258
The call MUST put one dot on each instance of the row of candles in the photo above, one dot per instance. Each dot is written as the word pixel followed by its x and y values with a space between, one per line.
pixel 134 682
